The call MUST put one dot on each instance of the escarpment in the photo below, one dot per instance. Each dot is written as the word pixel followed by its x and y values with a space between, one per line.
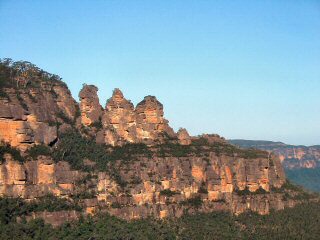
pixel 31 110
pixel 123 159
pixel 160 182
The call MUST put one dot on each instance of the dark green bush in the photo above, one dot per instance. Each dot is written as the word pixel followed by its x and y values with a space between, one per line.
pixel 10 208
pixel 195 202
pixel 168 193
pixel 38 150
pixel 5 148
pixel 246 191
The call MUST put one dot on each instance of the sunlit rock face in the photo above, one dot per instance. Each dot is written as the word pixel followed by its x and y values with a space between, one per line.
pixel 119 117
pixel 183 137
pixel 122 123
pixel 30 115
pixel 91 110
pixel 215 179
pixel 150 121
pixel 34 179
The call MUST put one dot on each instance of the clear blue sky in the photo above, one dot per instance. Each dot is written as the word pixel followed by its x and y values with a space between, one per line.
pixel 242 69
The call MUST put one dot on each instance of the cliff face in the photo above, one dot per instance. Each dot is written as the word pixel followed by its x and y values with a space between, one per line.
pixel 30 115
pixel 129 160
pixel 158 186
pixel 34 179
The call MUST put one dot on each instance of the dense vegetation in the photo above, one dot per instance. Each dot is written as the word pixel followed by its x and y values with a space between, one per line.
pixel 11 208
pixel 75 148
pixel 202 147
pixel 300 222
pixel 22 74
pixel 308 178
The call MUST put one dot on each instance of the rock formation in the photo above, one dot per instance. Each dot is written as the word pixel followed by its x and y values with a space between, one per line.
pixel 184 137
pixel 91 110
pixel 30 115
pixel 160 174
pixel 150 121
pixel 120 118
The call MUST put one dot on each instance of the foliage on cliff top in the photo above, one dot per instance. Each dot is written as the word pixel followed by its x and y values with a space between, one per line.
pixel 74 148
pixel 39 150
pixel 23 74
pixel 201 146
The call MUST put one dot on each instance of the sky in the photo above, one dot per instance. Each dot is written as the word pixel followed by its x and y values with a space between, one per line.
pixel 241 69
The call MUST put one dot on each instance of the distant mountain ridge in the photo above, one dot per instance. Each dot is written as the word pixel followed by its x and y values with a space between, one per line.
pixel 291 156
pixel 266 143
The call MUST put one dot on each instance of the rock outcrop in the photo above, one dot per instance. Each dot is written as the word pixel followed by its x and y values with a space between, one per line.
pixel 122 123
pixel 151 125
pixel 30 115
pixel 120 119
pixel 91 110
pixel 183 137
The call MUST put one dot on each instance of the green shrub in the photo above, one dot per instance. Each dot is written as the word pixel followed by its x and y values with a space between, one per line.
pixel 84 195
pixel 246 191
pixel 10 208
pixel 168 193
pixel 260 190
pixel 195 202
pixel 38 150
pixel 243 192
pixel 5 148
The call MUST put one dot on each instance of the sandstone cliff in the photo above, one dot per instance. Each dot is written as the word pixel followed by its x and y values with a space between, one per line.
pixel 122 159
pixel 154 185
pixel 30 115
